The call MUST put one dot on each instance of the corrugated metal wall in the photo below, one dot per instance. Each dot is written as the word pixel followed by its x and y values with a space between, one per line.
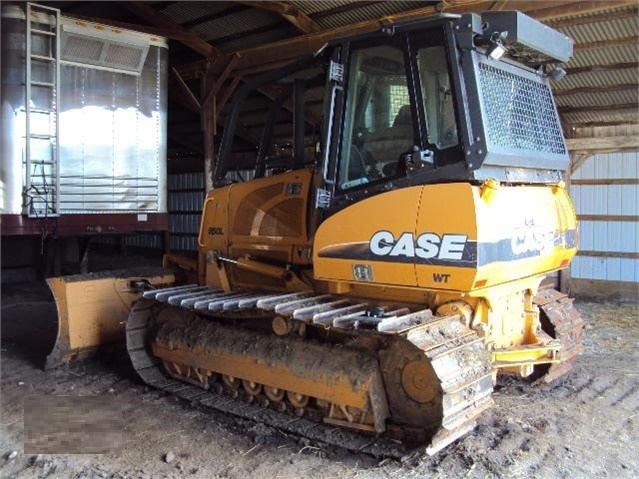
pixel 605 191
pixel 186 197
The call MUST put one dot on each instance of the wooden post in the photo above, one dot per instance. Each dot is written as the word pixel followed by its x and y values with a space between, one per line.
pixel 564 274
pixel 209 126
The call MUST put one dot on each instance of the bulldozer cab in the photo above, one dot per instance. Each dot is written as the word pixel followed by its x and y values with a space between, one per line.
pixel 383 111
pixel 448 98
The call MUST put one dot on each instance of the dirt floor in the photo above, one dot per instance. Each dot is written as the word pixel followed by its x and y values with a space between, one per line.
pixel 584 425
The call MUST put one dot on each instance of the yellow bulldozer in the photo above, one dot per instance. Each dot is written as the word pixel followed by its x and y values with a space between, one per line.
pixel 366 289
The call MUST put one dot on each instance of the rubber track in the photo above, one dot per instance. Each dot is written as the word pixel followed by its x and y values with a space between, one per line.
pixel 567 326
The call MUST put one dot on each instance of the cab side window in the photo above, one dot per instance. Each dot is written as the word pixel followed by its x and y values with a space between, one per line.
pixel 438 97
pixel 378 125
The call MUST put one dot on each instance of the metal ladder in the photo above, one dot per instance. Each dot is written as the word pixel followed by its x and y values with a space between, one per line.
pixel 42 99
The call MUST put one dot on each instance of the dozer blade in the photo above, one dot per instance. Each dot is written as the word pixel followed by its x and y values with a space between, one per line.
pixel 92 308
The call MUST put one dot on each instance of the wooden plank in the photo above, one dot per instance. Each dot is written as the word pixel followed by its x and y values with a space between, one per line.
pixel 630 218
pixel 604 288
pixel 607 181
pixel 591 124
pixel 598 108
pixel 609 254
pixel 191 40
pixel 598 89
pixel 615 42
pixel 602 68
pixel 602 143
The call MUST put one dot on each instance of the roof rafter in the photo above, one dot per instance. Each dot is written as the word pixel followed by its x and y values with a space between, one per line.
pixel 289 12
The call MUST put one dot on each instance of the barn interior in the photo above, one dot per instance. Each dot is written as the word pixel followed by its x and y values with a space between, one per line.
pixel 206 52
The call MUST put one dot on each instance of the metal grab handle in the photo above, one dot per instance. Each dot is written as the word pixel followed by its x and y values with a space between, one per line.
pixel 329 139
pixel 201 243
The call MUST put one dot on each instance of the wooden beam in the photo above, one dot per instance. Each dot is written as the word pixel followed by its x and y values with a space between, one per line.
pixel 225 73
pixel 226 95
pixel 615 42
pixel 208 125
pixel 577 159
pixel 289 12
pixel 272 92
pixel 598 108
pixel 191 40
pixel 602 68
pixel 609 254
pixel 598 89
pixel 186 90
pixel 590 124
pixel 573 22
pixel 607 181
pixel 629 218
pixel 602 143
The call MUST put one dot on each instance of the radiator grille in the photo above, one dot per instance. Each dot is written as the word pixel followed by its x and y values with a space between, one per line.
pixel 520 113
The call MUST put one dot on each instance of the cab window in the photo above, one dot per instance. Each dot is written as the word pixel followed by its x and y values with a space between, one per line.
pixel 438 97
pixel 378 125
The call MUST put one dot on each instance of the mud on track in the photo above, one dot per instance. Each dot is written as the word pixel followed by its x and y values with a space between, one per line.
pixel 585 425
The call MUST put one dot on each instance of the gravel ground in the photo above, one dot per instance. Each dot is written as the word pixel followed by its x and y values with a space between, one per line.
pixel 584 425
